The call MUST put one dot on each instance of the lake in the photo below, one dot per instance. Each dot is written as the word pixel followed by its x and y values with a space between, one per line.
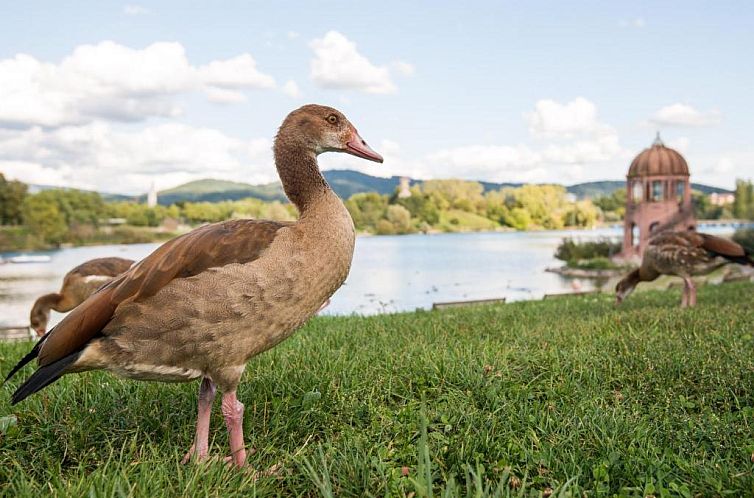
pixel 389 273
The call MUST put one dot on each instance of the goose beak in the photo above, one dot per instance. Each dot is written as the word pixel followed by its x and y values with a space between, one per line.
pixel 358 147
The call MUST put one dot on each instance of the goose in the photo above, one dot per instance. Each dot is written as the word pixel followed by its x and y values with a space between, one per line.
pixel 203 304
pixel 683 254
pixel 78 284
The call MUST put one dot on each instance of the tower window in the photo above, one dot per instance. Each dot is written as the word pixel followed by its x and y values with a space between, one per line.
pixel 680 189
pixel 656 190
pixel 637 191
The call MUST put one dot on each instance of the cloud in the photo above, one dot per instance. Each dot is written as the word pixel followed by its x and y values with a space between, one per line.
pixel 291 89
pixel 135 10
pixel 684 115
pixel 571 145
pixel 224 96
pixel 292 35
pixel 553 119
pixel 238 72
pixel 337 64
pixel 112 82
pixel 93 155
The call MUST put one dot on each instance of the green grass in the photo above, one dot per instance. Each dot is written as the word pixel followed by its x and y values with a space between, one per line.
pixel 568 394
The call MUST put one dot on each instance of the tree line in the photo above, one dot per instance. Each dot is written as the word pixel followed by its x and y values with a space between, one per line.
pixel 66 216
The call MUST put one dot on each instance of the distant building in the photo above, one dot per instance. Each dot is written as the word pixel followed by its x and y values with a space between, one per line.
pixel 721 199
pixel 658 197
pixel 403 188
pixel 152 196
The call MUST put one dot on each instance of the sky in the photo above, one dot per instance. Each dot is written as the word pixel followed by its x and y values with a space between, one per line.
pixel 115 96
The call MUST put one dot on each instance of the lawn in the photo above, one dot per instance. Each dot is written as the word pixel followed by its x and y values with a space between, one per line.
pixel 568 396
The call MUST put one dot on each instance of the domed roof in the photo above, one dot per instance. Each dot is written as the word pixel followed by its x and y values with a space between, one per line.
pixel 658 160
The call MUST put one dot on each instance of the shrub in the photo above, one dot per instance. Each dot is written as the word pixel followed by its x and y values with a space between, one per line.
pixel 745 237
pixel 572 251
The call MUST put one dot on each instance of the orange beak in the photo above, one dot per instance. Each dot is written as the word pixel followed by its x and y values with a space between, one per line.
pixel 358 147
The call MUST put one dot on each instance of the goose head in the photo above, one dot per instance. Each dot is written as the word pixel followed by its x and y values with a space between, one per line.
pixel 319 129
pixel 39 317
pixel 626 286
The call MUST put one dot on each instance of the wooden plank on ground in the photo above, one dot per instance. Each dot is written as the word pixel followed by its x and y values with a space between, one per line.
pixel 570 294
pixel 9 334
pixel 459 304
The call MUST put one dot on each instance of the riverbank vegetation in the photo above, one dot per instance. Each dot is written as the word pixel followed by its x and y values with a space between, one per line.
pixel 56 217
pixel 568 397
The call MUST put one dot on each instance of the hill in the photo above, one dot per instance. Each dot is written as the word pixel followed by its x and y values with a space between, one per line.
pixel 344 182
pixel 210 190
pixel 606 187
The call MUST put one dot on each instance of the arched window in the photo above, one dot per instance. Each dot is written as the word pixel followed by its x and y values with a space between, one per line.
pixel 653 227
pixel 635 235
pixel 680 190
pixel 637 191
pixel 656 190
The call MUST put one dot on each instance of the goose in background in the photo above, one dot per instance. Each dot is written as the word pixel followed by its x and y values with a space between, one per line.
pixel 683 254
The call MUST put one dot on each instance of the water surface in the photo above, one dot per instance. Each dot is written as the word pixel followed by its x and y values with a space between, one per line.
pixel 389 273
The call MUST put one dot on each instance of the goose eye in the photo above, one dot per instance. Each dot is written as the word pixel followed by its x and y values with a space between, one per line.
pixel 332 119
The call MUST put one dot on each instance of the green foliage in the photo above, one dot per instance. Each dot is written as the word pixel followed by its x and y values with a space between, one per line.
pixel 42 216
pixel 367 210
pixel 12 195
pixel 509 400
pixel 613 205
pixel 743 205
pixel 571 250
pixel 745 237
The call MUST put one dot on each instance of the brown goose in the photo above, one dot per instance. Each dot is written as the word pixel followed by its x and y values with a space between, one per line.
pixel 203 304
pixel 683 254
pixel 78 284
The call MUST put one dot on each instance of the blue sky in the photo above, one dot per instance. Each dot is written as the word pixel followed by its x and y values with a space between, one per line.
pixel 115 95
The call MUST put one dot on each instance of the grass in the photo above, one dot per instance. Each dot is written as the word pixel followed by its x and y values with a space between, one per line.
pixel 568 396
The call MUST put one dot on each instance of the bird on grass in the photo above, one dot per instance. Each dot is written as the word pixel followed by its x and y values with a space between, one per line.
pixel 78 284
pixel 683 254
pixel 205 303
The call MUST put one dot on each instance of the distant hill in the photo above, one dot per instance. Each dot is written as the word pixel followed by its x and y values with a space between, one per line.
pixel 606 187
pixel 210 190
pixel 344 182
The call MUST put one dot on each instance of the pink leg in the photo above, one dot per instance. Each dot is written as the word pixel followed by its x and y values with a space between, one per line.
pixel 233 413
pixel 685 294
pixel 692 293
pixel 200 447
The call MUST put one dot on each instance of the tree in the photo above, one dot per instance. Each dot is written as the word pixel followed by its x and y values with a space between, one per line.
pixel 743 205
pixel 44 219
pixel 12 195
pixel 400 218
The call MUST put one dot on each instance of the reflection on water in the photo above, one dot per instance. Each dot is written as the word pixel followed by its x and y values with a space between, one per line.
pixel 389 273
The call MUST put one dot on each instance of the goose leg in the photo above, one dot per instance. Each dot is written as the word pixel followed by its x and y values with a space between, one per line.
pixel 692 293
pixel 233 413
pixel 685 294
pixel 200 447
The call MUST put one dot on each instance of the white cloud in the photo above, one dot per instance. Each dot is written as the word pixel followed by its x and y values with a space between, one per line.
pixel 338 64
pixel 225 96
pixel 93 155
pixel 291 89
pixel 292 35
pixel 553 119
pixel 135 10
pixel 684 115
pixel 113 82
pixel 238 72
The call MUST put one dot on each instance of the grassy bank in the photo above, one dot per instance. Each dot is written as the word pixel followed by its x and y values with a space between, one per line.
pixel 567 394
pixel 22 239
